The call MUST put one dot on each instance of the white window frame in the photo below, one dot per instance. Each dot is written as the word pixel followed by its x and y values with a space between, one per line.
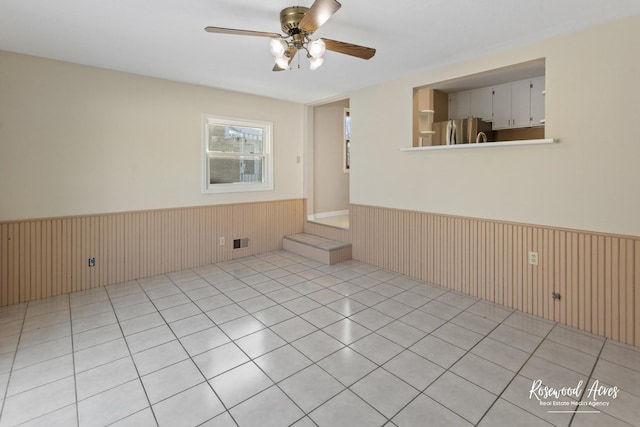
pixel 237 187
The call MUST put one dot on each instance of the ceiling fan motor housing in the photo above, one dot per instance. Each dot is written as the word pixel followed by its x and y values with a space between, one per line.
pixel 290 18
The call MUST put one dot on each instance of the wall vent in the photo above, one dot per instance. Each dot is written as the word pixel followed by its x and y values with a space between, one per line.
pixel 241 243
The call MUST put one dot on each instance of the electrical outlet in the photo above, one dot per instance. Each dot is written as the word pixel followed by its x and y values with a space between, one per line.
pixel 222 241
pixel 92 262
pixel 533 258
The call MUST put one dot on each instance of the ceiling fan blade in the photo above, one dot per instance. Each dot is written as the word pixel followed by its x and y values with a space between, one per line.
pixel 318 14
pixel 349 49
pixel 237 32
pixel 291 53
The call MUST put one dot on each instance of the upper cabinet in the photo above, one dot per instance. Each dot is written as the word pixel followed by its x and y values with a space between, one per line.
pixel 459 105
pixel 481 103
pixel 537 101
pixel 512 105
pixel 471 103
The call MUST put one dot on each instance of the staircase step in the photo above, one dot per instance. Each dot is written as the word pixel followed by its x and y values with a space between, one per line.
pixel 317 248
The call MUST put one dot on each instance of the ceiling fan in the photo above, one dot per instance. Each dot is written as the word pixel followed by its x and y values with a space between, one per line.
pixel 299 23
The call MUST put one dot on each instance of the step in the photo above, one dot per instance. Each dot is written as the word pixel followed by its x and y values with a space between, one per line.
pixel 317 248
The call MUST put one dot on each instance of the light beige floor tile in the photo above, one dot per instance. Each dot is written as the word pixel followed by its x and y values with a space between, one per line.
pixel 271 408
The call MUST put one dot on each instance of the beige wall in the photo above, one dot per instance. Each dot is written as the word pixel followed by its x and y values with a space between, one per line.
pixel 331 183
pixel 588 181
pixel 79 140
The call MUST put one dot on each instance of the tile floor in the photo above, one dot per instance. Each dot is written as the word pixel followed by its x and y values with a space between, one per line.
pixel 279 340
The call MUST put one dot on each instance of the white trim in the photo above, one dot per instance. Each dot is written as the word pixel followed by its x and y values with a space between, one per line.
pixel 313 217
pixel 482 145
pixel 344 140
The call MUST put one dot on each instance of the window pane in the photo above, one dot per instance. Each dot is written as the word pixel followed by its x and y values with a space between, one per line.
pixel 227 170
pixel 235 139
pixel 236 155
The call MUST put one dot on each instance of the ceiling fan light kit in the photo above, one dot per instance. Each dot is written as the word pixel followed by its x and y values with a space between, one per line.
pixel 280 50
pixel 299 23
pixel 278 47
pixel 316 48
pixel 282 62
pixel 314 63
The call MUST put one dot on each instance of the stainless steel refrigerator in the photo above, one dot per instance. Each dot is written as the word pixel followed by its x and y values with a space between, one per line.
pixel 462 131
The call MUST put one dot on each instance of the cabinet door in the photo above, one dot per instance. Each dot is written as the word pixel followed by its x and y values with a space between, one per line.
pixel 481 103
pixel 501 106
pixel 459 105
pixel 521 103
pixel 537 101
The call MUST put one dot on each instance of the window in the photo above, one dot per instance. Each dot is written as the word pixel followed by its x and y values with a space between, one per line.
pixel 237 155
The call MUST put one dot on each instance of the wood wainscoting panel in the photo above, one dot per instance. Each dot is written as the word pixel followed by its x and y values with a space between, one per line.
pixel 596 274
pixel 46 257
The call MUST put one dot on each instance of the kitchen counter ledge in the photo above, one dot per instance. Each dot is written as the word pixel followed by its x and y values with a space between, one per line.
pixel 482 145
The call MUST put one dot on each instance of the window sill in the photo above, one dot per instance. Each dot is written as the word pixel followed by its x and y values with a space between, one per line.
pixel 481 145
pixel 237 187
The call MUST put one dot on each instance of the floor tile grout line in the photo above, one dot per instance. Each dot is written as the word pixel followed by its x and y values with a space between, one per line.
pixel 252 360
pixel 547 339
pixel 381 366
pixel 386 298
pixel 517 373
pixel 460 358
pixel 73 365
pixel 608 341
pixel 139 379
pixel 277 384
pixel 422 392
pixel 13 361
pixel 377 366
pixel 43 384
pixel 205 379
pixel 593 368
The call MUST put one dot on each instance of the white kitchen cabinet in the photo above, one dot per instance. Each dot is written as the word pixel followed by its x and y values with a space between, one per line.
pixel 471 103
pixel 501 101
pixel 512 105
pixel 537 101
pixel 481 101
pixel 459 105
pixel 521 104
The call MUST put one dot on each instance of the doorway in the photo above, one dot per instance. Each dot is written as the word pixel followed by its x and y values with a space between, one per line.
pixel 331 164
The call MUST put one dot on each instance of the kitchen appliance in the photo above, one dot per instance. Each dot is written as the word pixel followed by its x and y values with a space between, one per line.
pixel 462 131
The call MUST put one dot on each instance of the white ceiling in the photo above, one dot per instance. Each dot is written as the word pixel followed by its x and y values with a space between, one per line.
pixel 166 38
